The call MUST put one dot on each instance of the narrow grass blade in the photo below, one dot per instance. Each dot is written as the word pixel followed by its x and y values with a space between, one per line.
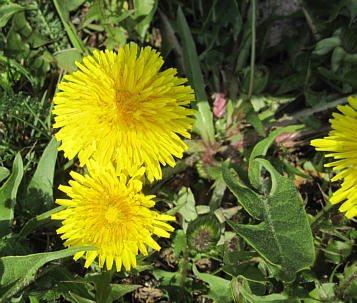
pixel 203 116
pixel 8 193
pixel 71 31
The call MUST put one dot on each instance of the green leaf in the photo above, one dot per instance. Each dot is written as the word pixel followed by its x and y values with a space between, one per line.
pixel 101 283
pixel 119 290
pixel 324 46
pixel 337 58
pixel 4 172
pixel 79 299
pixel 323 292
pixel 19 271
pixel 290 83
pixel 345 285
pixel 18 67
pixel 170 283
pixel 8 194
pixel 203 115
pixel 219 289
pixel 144 11
pixel 63 12
pixel 253 118
pixel 352 7
pixel 66 59
pixel 338 251
pixel 7 11
pixel 284 237
pixel 37 221
pixel 247 271
pixel 33 299
pixel 39 193
pixel 179 243
pixel 261 148
pixel 251 298
pixel 247 195
pixel 60 281
pixel 72 5
pixel 186 204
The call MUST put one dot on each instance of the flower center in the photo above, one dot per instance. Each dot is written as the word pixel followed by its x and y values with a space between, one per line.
pixel 127 106
pixel 113 214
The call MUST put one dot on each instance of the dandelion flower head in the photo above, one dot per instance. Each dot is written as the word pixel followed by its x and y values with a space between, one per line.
pixel 109 212
pixel 119 107
pixel 342 143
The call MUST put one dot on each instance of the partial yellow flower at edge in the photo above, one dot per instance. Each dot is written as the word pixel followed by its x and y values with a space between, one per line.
pixel 342 143
pixel 110 212
pixel 119 107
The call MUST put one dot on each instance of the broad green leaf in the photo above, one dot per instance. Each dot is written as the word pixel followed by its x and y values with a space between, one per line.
pixel 33 299
pixel 323 293
pixel 66 59
pixel 170 283
pixel 11 245
pixel 324 46
pixel 290 83
pixel 337 57
pixel 203 115
pixel 247 271
pixel 186 204
pixel 8 194
pixel 144 12
pixel 217 194
pixel 284 237
pixel 119 290
pixel 101 283
pixel 253 118
pixel 72 5
pixel 251 298
pixel 7 11
pixel 219 289
pixel 260 149
pixel 39 193
pixel 4 172
pixel 19 271
pixel 179 243
pixel 338 251
pixel 250 197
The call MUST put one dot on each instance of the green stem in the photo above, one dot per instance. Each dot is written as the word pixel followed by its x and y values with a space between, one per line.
pixel 311 24
pixel 252 52
pixel 184 274
pixel 65 166
pixel 322 214
pixel 323 107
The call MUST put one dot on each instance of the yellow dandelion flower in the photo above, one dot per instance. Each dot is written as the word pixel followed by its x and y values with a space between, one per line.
pixel 342 142
pixel 109 212
pixel 119 107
